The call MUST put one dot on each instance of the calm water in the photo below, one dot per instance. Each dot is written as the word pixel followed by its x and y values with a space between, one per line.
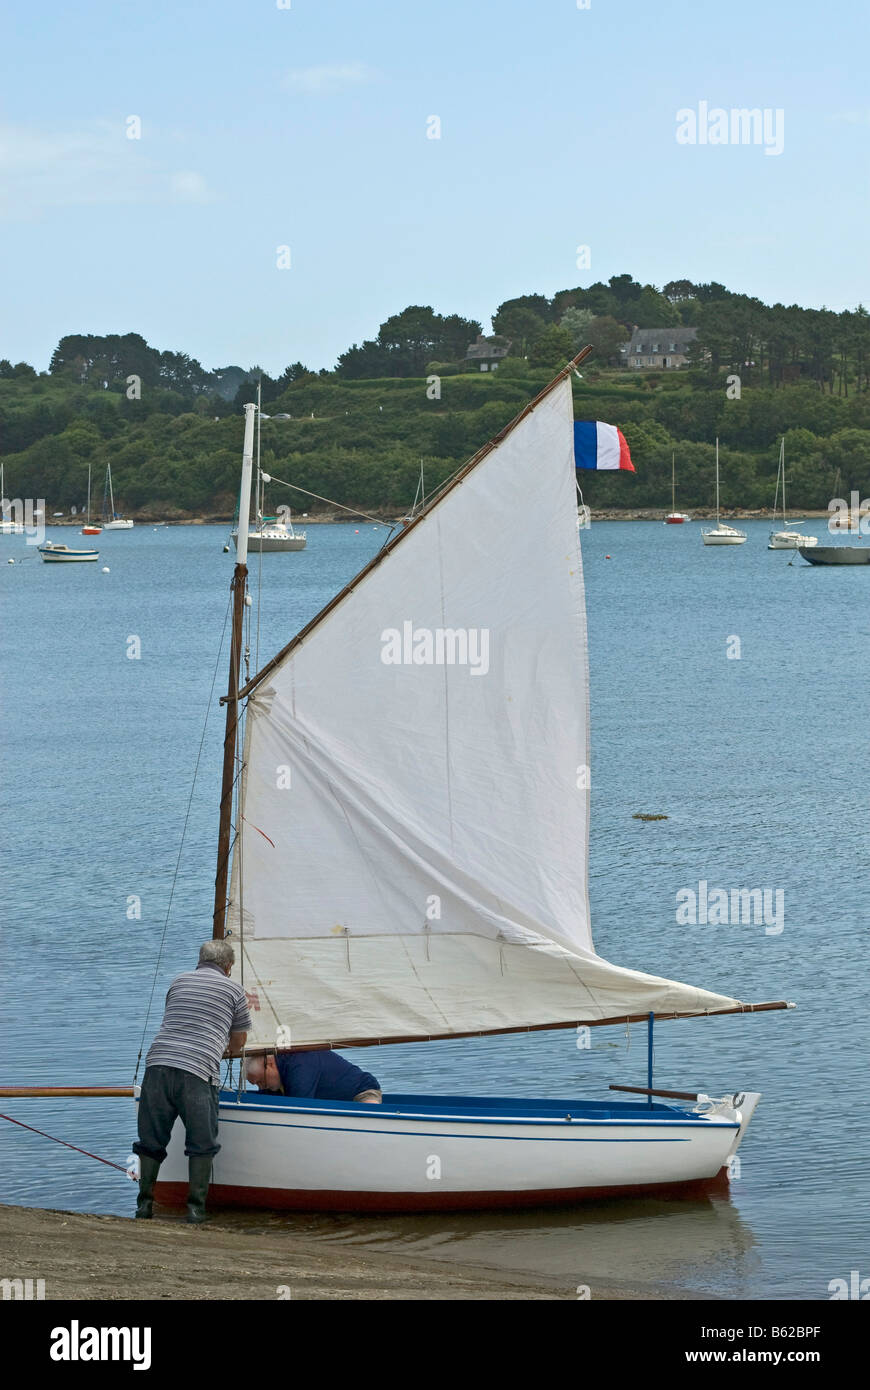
pixel 760 764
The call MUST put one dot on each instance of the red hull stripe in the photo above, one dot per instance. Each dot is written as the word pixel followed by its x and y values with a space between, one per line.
pixel 174 1194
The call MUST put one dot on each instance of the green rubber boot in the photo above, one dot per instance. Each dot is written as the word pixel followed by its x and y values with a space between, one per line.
pixel 148 1170
pixel 199 1170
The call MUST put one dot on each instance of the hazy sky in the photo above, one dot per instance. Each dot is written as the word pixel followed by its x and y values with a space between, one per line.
pixel 306 127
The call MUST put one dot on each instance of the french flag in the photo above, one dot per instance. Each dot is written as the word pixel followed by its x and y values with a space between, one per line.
pixel 597 445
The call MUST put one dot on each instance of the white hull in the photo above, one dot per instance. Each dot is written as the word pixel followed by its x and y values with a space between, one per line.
pixel 117 525
pixel 11 528
pixel 267 541
pixel 790 540
pixel 723 535
pixel 54 555
pixel 418 1153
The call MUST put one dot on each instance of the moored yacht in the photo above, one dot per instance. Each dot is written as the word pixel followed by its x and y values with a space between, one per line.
pixel 785 539
pixel 720 534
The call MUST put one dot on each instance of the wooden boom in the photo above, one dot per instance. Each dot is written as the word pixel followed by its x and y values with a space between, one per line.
pixel 669 1095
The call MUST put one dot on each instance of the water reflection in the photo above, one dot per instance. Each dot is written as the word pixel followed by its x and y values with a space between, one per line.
pixel 700 1246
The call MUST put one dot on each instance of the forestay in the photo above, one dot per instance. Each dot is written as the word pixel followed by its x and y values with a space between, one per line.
pixel 412 841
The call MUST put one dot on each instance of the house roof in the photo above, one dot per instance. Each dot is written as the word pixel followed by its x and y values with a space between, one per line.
pixel 485 347
pixel 680 336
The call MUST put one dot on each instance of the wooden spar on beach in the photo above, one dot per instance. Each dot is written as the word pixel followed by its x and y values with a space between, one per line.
pixel 97 1092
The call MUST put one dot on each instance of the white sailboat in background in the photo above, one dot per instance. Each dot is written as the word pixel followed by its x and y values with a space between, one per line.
pixel 720 534
pixel 675 518
pixel 8 525
pixel 273 534
pixel 111 520
pixel 269 534
pixel 426 876
pixel 90 528
pixel 785 539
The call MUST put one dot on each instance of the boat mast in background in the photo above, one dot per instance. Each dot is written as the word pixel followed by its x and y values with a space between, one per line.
pixel 88 529
pixel 674 518
pixel 721 534
pixel 785 539
pixel 111 522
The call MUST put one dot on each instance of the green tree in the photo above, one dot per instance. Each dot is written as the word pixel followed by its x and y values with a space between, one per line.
pixel 522 320
pixel 552 348
pixel 577 322
pixel 607 336
pixel 654 310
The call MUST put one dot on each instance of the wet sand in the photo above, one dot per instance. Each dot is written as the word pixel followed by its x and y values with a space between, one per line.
pixel 110 1258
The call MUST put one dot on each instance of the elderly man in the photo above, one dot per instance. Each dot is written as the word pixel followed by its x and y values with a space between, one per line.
pixel 206 1018
pixel 317 1075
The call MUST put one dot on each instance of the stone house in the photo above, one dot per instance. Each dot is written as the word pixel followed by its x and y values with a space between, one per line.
pixel 658 347
pixel 486 353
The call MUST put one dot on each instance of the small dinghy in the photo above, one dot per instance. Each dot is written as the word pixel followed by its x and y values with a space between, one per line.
pixel 61 554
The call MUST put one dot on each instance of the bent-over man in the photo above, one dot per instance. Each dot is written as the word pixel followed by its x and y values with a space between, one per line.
pixel 317 1075
pixel 206 1016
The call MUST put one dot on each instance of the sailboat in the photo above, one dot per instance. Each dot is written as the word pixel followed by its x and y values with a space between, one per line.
pixel 90 528
pixel 8 525
pixel 426 876
pixel 111 520
pixel 674 518
pixel 720 534
pixel 269 533
pixel 785 539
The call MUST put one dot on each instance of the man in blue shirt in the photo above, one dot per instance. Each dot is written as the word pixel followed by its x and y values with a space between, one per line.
pixel 317 1075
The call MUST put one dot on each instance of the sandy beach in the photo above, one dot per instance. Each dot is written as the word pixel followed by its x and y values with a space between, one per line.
pixel 109 1258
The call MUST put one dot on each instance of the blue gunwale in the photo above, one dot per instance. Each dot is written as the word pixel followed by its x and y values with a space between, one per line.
pixel 486 1110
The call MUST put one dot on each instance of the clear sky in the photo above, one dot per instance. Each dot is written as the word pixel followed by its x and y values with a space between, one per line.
pixel 307 126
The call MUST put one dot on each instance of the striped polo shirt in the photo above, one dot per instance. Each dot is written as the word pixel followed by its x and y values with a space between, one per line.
pixel 203 1007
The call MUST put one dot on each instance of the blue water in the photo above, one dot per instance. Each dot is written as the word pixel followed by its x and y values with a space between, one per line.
pixel 758 761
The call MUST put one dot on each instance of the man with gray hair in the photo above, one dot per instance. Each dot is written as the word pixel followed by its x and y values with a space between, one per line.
pixel 206 1017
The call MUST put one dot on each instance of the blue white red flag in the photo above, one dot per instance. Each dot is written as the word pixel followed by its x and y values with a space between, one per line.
pixel 597 445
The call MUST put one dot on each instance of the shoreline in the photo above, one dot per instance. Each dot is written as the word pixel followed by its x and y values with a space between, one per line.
pixel 374 518
pixel 112 1258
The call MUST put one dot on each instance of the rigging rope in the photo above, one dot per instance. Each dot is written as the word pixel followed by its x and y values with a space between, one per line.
pixel 181 844
pixel 108 1162
pixel 354 511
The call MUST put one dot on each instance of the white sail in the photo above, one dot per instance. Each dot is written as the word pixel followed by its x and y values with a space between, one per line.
pixel 412 840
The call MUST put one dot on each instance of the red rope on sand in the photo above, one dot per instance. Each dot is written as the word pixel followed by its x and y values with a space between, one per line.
pixel 108 1162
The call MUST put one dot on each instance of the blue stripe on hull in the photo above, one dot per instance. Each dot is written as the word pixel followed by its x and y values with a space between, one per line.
pixel 441 1134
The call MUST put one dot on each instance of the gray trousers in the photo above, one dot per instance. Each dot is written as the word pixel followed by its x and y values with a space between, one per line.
pixel 168 1092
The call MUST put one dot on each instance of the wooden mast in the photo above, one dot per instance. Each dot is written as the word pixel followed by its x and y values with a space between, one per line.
pixel 239 592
